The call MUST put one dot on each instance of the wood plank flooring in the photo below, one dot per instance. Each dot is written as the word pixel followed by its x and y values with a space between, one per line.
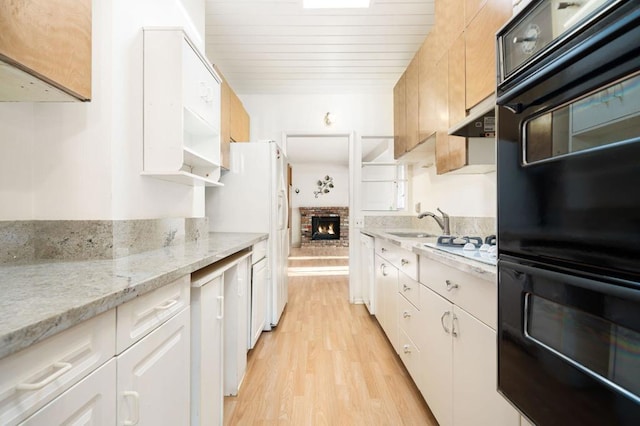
pixel 327 363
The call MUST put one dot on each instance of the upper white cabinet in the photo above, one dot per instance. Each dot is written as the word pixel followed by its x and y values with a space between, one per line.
pixel 181 110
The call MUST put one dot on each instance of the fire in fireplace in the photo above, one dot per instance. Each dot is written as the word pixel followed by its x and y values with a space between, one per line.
pixel 325 227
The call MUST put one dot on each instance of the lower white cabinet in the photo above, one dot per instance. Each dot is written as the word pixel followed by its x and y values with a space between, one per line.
pixel 207 313
pixel 92 401
pixel 387 298
pixel 367 272
pixel 459 363
pixel 153 384
pixel 34 377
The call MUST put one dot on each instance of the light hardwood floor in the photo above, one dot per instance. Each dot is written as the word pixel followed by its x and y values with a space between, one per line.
pixel 327 362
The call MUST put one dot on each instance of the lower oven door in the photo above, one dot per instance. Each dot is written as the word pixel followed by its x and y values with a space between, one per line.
pixel 568 345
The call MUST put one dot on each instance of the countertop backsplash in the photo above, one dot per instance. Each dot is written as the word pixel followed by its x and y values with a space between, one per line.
pixel 460 225
pixel 27 241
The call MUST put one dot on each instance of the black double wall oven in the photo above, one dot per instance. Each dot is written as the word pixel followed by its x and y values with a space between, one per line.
pixel 568 152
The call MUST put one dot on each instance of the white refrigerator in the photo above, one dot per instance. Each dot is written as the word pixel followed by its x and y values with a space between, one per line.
pixel 254 198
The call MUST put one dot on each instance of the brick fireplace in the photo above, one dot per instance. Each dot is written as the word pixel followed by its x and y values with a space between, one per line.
pixel 324 216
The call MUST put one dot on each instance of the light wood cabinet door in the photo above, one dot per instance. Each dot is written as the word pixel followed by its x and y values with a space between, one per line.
pixel 426 89
pixel 450 21
pixel 239 120
pixel 50 39
pixel 412 103
pixel 399 117
pixel 435 380
pixel 480 50
pixel 476 399
pixel 225 124
pixel 441 90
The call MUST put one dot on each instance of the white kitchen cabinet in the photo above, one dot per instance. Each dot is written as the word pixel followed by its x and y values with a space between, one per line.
pixel 258 307
pixel 207 327
pixel 236 327
pixel 384 186
pixel 386 298
pixel 459 349
pixel 367 272
pixel 92 401
pixel 153 385
pixel 35 376
pixel 436 378
pixel 181 110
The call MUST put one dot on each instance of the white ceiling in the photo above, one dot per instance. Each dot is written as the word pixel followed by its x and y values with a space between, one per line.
pixel 277 47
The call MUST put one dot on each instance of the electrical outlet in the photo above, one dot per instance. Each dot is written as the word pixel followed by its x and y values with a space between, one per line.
pixel 358 222
pixel 418 207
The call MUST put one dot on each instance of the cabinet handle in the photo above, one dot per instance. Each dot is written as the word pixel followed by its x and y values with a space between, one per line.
pixel 446 329
pixel 383 268
pixel 167 305
pixel 407 349
pixel 61 368
pixel 450 285
pixel 404 262
pixel 454 333
pixel 405 287
pixel 135 397
pixel 220 307
pixel 406 314
pixel 383 249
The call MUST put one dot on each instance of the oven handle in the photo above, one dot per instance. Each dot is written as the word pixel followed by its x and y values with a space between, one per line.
pixel 618 289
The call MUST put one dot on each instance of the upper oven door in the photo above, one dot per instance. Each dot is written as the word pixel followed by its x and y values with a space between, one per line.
pixel 569 150
pixel 568 345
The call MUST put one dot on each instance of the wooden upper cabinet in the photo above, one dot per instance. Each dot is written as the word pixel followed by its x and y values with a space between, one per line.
pixel 225 112
pixel 457 85
pixel 239 120
pixel 426 89
pixel 441 91
pixel 45 43
pixel 234 121
pixel 481 49
pixel 471 9
pixel 412 103
pixel 399 117
pixel 450 22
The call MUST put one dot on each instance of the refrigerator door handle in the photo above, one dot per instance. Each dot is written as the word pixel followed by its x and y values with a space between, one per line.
pixel 283 212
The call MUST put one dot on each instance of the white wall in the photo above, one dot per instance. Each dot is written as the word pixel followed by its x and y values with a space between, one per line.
pixel 83 160
pixel 456 195
pixel 304 178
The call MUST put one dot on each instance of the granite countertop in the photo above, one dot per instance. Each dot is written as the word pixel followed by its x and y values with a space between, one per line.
pixel 41 299
pixel 416 245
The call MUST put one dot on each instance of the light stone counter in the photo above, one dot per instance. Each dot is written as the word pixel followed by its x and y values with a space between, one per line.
pixel 416 245
pixel 40 299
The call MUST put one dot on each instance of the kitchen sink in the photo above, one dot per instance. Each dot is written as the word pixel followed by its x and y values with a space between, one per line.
pixel 412 234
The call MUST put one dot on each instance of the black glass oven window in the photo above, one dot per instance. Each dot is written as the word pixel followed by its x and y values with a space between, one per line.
pixel 608 116
pixel 600 346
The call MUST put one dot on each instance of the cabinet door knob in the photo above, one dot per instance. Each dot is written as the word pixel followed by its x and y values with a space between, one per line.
pixel 135 397
pixel 59 369
pixel 446 329
pixel 451 286
pixel 404 262
pixel 407 349
pixel 406 314
pixel 383 249
pixel 405 287
pixel 454 329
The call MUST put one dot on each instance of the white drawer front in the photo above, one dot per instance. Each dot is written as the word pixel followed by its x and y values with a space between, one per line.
pixel 36 375
pixel 90 402
pixel 409 318
pixel 259 251
pixel 201 90
pixel 409 288
pixel 473 294
pixel 140 316
pixel 410 355
pixel 402 259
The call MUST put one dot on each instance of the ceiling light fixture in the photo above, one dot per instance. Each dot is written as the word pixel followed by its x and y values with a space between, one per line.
pixel 335 4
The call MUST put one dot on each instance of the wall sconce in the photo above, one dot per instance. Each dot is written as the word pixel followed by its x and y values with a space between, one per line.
pixel 329 119
pixel 324 186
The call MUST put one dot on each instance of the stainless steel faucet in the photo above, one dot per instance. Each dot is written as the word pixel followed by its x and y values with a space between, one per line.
pixel 442 222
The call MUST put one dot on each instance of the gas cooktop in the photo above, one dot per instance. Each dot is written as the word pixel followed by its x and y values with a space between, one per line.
pixel 474 248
